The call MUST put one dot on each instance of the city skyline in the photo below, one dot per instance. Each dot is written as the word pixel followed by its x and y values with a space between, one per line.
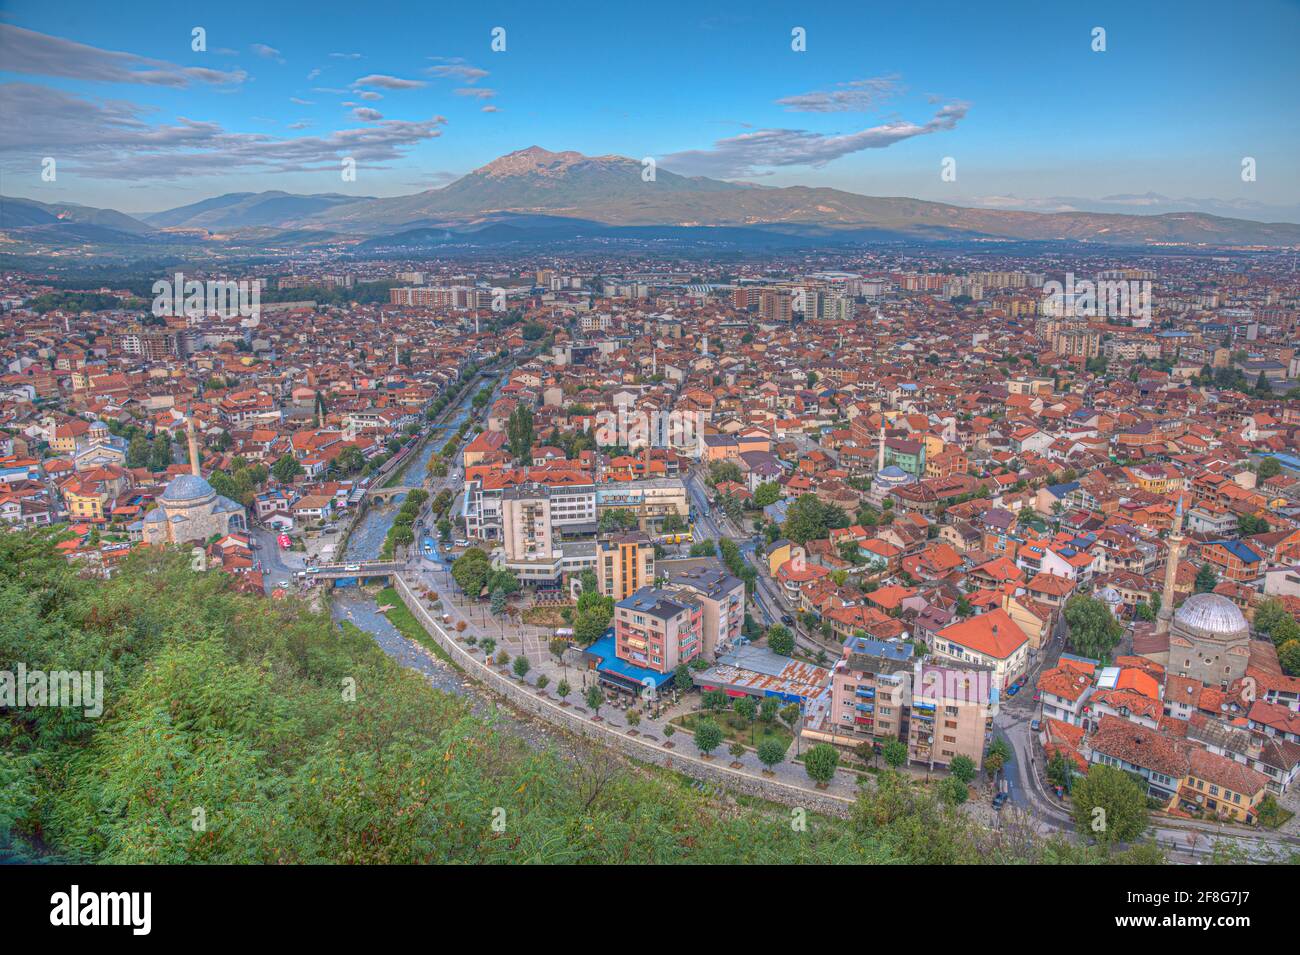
pixel 139 121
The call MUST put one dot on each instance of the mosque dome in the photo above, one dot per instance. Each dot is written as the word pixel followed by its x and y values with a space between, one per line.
pixel 187 489
pixel 1211 615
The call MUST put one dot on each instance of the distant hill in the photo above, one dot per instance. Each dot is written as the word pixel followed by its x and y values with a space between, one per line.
pixel 534 195
pixel 21 213
pixel 242 210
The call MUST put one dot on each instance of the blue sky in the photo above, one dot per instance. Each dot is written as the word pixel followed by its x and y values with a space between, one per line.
pixel 1013 92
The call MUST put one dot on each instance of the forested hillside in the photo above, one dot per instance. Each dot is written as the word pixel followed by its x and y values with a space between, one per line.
pixel 230 710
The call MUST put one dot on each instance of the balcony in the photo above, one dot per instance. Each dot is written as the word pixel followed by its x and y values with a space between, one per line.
pixel 865 707
pixel 865 694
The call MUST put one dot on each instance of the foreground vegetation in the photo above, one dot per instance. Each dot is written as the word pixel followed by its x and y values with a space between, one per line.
pixel 236 729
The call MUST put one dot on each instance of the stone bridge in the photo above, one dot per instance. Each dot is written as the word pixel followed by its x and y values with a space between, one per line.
pixel 386 495
pixel 362 570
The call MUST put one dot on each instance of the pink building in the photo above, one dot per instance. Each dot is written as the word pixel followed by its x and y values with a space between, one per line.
pixel 658 629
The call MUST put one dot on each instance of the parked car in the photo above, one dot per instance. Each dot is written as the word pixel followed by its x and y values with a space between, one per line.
pixel 1013 689
pixel 999 801
pixel 1035 725
pixel 787 620
pixel 352 568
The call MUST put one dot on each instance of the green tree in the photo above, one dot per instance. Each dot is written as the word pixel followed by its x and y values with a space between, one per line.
pixel 708 736
pixel 519 434
pixel 1094 631
pixel 595 697
pixel 471 570
pixel 770 752
pixel 953 791
pixel 895 753
pixel 808 518
pixel 138 451
pixel 562 689
pixel 522 666
pixel 820 763
pixel 286 468
pixel 682 678
pixel 1206 579
pixel 963 767
pixel 780 639
pixel 1109 805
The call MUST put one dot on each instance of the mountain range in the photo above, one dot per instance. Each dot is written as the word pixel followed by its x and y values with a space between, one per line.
pixel 536 195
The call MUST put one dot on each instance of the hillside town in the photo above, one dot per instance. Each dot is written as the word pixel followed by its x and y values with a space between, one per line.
pixel 984 517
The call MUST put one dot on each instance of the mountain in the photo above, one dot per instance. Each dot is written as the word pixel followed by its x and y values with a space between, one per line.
pixel 537 196
pixel 611 190
pixel 24 213
pixel 243 210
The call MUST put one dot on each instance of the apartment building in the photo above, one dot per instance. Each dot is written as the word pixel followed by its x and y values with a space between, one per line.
pixel 951 714
pixel 720 594
pixel 650 500
pixel 869 687
pixel 572 497
pixel 625 564
pixel 991 640
pixel 658 629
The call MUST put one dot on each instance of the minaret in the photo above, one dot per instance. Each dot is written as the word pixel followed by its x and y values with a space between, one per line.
pixel 1171 570
pixel 194 446
pixel 880 462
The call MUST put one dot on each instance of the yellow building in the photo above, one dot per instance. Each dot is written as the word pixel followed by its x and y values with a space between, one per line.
pixel 625 564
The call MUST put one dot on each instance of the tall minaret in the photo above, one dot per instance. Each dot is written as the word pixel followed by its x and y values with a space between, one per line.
pixel 880 462
pixel 1171 570
pixel 194 446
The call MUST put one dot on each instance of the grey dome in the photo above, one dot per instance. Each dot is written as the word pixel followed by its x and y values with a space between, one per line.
pixel 186 488
pixel 1211 614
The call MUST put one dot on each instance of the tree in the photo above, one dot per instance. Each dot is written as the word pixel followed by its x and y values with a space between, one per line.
pixel 519 433
pixel 1269 467
pixel 963 767
pixel 820 763
pixel 350 460
pixel 736 749
pixel 770 752
pixel 137 451
pixel 617 519
pixel 1289 656
pixel 1248 524
pixel 722 472
pixel 286 468
pixel 595 697
pixel 1206 579
pixel 1060 771
pixel 1110 805
pixel 768 708
pixel 997 756
pixel 708 736
pixel 808 518
pixel 1094 631
pixel 769 492
pixel 895 752
pixel 471 571
pixel 160 452
pixel 522 666
pixel 714 699
pixel 953 791
pixel 562 689
pixel 780 639
pixel 682 678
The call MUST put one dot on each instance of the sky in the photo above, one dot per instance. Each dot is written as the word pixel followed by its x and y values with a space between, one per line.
pixel 1010 98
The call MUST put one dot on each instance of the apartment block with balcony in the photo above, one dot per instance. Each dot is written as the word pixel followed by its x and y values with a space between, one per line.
pixel 658 629
pixel 951 714
pixel 869 690
pixel 625 564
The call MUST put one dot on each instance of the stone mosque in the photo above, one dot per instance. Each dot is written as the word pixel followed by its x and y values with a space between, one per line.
pixel 189 509
pixel 1209 638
